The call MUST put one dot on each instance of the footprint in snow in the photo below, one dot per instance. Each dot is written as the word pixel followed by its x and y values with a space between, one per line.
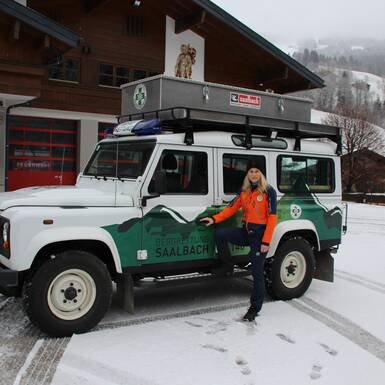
pixel 329 350
pixel 216 348
pixel 219 326
pixel 242 363
pixel 285 338
pixel 316 372
pixel 195 325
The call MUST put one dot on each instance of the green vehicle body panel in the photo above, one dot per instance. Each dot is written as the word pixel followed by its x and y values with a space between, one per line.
pixel 168 237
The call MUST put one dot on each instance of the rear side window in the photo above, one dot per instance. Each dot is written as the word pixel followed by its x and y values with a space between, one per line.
pixel 234 170
pixel 299 173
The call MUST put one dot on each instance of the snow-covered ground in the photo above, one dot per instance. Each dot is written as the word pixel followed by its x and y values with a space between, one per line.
pixel 334 335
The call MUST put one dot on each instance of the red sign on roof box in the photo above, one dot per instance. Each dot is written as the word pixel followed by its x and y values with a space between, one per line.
pixel 245 100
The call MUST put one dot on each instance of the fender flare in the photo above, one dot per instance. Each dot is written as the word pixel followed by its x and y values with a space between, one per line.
pixel 48 237
pixel 287 226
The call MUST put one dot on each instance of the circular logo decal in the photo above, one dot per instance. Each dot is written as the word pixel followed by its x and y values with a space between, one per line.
pixel 295 211
pixel 140 96
pixel 260 198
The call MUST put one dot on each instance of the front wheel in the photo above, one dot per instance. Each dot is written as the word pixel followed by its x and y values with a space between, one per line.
pixel 290 272
pixel 69 293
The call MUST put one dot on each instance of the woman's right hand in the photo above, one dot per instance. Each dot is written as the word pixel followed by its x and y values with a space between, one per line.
pixel 207 221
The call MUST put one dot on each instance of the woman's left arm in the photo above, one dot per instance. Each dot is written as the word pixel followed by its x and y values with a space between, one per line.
pixel 271 218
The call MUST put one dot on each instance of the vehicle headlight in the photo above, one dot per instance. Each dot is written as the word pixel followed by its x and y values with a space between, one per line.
pixel 5 231
pixel 5 235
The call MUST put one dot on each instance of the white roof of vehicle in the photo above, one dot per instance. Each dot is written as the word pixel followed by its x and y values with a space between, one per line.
pixel 223 140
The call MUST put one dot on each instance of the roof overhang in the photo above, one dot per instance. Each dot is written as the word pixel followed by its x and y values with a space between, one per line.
pixel 40 22
pixel 309 79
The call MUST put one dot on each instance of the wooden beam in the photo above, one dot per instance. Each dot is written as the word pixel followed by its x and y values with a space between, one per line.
pixel 189 21
pixel 16 30
pixel 47 41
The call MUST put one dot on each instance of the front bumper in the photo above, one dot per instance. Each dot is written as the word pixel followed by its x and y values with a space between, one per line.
pixel 8 278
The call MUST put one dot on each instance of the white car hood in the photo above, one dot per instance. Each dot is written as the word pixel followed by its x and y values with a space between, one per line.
pixel 56 196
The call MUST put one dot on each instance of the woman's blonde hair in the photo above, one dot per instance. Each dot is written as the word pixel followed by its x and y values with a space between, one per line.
pixel 262 183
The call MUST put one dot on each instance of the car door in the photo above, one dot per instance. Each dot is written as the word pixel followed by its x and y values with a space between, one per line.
pixel 230 172
pixel 171 230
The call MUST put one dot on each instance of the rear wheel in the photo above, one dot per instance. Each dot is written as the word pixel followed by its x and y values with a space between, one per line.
pixel 290 272
pixel 69 293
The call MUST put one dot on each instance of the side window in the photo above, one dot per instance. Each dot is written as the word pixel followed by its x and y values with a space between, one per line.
pixel 186 172
pixel 297 173
pixel 234 170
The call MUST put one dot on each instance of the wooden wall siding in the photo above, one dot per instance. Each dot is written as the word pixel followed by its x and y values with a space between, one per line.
pixel 24 50
pixel 105 32
pixel 230 58
pixel 20 80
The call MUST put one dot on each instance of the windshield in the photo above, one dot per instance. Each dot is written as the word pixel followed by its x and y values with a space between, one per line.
pixel 120 159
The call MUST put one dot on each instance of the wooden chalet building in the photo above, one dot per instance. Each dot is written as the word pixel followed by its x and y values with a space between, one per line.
pixel 62 62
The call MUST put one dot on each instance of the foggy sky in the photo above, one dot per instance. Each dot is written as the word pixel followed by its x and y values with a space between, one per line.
pixel 292 20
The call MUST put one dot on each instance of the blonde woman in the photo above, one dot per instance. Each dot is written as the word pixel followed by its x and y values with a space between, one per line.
pixel 258 201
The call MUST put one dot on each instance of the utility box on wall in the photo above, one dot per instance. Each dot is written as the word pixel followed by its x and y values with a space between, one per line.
pixel 162 92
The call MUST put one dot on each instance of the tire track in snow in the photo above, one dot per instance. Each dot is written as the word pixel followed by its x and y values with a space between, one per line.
pixel 361 278
pixel 341 325
pixel 163 317
pixel 18 338
pixel 42 367
pixel 361 283
pixel 28 356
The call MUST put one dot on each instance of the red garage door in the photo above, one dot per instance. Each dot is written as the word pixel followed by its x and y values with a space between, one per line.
pixel 41 152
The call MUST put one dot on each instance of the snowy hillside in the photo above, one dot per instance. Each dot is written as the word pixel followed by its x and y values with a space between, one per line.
pixel 376 83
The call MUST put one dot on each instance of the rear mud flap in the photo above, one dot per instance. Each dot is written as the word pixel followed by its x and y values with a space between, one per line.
pixel 324 270
pixel 125 289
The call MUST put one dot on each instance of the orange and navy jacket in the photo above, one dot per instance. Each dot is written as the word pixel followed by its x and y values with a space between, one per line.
pixel 259 208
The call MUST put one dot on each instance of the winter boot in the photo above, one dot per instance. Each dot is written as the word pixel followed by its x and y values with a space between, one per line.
pixel 250 314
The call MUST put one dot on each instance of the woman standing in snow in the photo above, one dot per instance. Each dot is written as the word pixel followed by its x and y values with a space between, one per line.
pixel 258 201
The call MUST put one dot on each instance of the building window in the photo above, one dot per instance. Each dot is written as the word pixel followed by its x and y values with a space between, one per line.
pixel 104 129
pixel 135 26
pixel 67 70
pixel 113 76
pixel 139 74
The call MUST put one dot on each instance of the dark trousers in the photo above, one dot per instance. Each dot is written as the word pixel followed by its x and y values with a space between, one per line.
pixel 252 236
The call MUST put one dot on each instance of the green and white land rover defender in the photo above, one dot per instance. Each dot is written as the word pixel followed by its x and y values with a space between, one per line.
pixel 134 211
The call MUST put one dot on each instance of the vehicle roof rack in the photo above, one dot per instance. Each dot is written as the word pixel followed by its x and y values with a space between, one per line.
pixel 189 120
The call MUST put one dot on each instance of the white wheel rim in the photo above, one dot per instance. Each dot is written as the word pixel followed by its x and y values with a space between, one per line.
pixel 71 294
pixel 293 269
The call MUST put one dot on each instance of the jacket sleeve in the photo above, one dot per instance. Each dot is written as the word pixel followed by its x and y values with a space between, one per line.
pixel 271 216
pixel 228 211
